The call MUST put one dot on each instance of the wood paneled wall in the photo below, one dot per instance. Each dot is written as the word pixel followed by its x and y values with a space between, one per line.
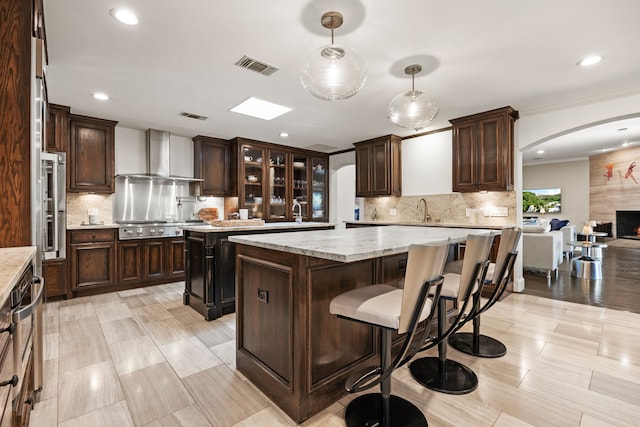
pixel 15 95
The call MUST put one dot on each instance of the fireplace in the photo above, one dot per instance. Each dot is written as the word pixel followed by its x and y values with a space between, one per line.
pixel 627 224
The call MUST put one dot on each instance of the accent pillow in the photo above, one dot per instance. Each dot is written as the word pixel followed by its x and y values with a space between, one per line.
pixel 557 224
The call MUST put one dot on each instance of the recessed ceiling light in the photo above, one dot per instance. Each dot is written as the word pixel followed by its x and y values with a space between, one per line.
pixel 626 144
pixel 101 96
pixel 540 151
pixel 259 108
pixel 125 16
pixel 284 134
pixel 590 60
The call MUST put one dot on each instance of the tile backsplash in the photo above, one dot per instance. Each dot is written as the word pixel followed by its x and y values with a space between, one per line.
pixel 447 208
pixel 78 204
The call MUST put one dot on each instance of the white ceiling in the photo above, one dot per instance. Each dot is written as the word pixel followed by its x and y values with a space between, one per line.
pixel 476 56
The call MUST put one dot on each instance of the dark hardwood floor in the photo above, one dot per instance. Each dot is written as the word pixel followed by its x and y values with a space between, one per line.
pixel 619 289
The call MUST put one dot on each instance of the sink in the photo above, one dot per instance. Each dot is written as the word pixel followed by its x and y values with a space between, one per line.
pixel 237 222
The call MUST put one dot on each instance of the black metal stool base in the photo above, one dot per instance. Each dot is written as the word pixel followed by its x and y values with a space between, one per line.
pixel 487 346
pixel 456 378
pixel 365 411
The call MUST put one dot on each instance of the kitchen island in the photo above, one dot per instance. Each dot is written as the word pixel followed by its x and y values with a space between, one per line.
pixel 288 344
pixel 210 285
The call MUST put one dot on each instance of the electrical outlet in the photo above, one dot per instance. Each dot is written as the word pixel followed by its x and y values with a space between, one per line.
pixel 499 211
pixel 467 212
pixel 393 212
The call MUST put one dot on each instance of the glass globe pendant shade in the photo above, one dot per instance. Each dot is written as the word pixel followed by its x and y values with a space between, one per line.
pixel 413 109
pixel 333 73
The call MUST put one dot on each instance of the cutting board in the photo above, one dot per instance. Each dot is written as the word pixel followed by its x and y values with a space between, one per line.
pixel 237 222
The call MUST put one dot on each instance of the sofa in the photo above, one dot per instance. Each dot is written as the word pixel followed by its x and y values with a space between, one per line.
pixel 543 248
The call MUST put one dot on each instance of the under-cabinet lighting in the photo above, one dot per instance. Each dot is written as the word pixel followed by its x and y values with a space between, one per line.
pixel 260 109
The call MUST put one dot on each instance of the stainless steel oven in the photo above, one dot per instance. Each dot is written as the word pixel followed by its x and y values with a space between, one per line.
pixel 26 308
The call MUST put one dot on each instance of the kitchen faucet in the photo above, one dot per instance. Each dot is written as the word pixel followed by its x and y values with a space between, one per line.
pixel 425 216
pixel 298 215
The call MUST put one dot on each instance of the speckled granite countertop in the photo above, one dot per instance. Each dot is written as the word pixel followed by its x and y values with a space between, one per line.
pixel 355 244
pixel 433 224
pixel 268 226
pixel 14 261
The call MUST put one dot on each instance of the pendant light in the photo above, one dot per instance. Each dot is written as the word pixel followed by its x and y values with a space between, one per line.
pixel 333 72
pixel 413 109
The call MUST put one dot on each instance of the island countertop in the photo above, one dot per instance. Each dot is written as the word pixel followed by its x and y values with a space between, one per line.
pixel 14 261
pixel 268 226
pixel 355 244
pixel 433 224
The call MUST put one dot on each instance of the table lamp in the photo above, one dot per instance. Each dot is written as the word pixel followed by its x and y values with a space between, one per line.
pixel 587 227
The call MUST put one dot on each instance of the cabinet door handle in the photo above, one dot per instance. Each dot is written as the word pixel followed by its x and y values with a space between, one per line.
pixel 12 382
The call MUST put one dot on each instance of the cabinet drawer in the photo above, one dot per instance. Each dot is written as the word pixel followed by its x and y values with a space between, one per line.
pixel 91 236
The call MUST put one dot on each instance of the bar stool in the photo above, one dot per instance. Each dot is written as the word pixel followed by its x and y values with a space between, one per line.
pixel 391 309
pixel 439 373
pixel 475 343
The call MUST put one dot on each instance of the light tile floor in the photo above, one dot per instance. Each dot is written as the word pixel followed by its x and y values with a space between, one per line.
pixel 141 358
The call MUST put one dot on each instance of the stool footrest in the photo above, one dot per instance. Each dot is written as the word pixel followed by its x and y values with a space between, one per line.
pixel 359 379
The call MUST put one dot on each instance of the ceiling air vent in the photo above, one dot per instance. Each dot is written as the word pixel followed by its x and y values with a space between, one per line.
pixel 193 116
pixel 255 65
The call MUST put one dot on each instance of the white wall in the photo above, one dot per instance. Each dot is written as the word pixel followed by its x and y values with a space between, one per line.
pixel 342 187
pixel 427 165
pixel 572 178
pixel 130 148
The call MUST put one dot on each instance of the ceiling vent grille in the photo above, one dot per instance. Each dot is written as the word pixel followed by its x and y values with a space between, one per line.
pixel 193 116
pixel 255 65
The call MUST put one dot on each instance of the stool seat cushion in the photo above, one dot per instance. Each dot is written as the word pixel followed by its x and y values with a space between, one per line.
pixel 376 304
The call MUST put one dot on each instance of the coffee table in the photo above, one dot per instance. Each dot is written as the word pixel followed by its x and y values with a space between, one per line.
pixel 589 264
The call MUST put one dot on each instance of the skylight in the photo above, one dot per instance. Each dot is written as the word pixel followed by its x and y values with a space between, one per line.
pixel 260 109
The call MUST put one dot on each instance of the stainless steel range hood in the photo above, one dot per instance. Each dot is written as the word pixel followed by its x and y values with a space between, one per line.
pixel 158 158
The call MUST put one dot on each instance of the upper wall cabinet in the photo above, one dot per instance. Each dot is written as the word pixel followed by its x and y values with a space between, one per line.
pixel 58 128
pixel 379 167
pixel 91 154
pixel 212 163
pixel 483 150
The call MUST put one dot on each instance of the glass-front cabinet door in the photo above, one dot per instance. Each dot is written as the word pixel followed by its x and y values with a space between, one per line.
pixel 319 177
pixel 278 206
pixel 300 182
pixel 252 180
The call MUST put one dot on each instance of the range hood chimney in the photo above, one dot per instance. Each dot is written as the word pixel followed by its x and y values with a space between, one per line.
pixel 158 153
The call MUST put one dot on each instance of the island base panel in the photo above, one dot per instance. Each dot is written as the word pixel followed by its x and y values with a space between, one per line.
pixel 288 344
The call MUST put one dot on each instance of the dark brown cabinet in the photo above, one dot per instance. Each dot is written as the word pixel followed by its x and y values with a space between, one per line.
pixel 271 176
pixel 150 261
pixel 91 154
pixel 58 128
pixel 483 151
pixel 379 167
pixel 213 164
pixel 55 277
pixel 92 262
